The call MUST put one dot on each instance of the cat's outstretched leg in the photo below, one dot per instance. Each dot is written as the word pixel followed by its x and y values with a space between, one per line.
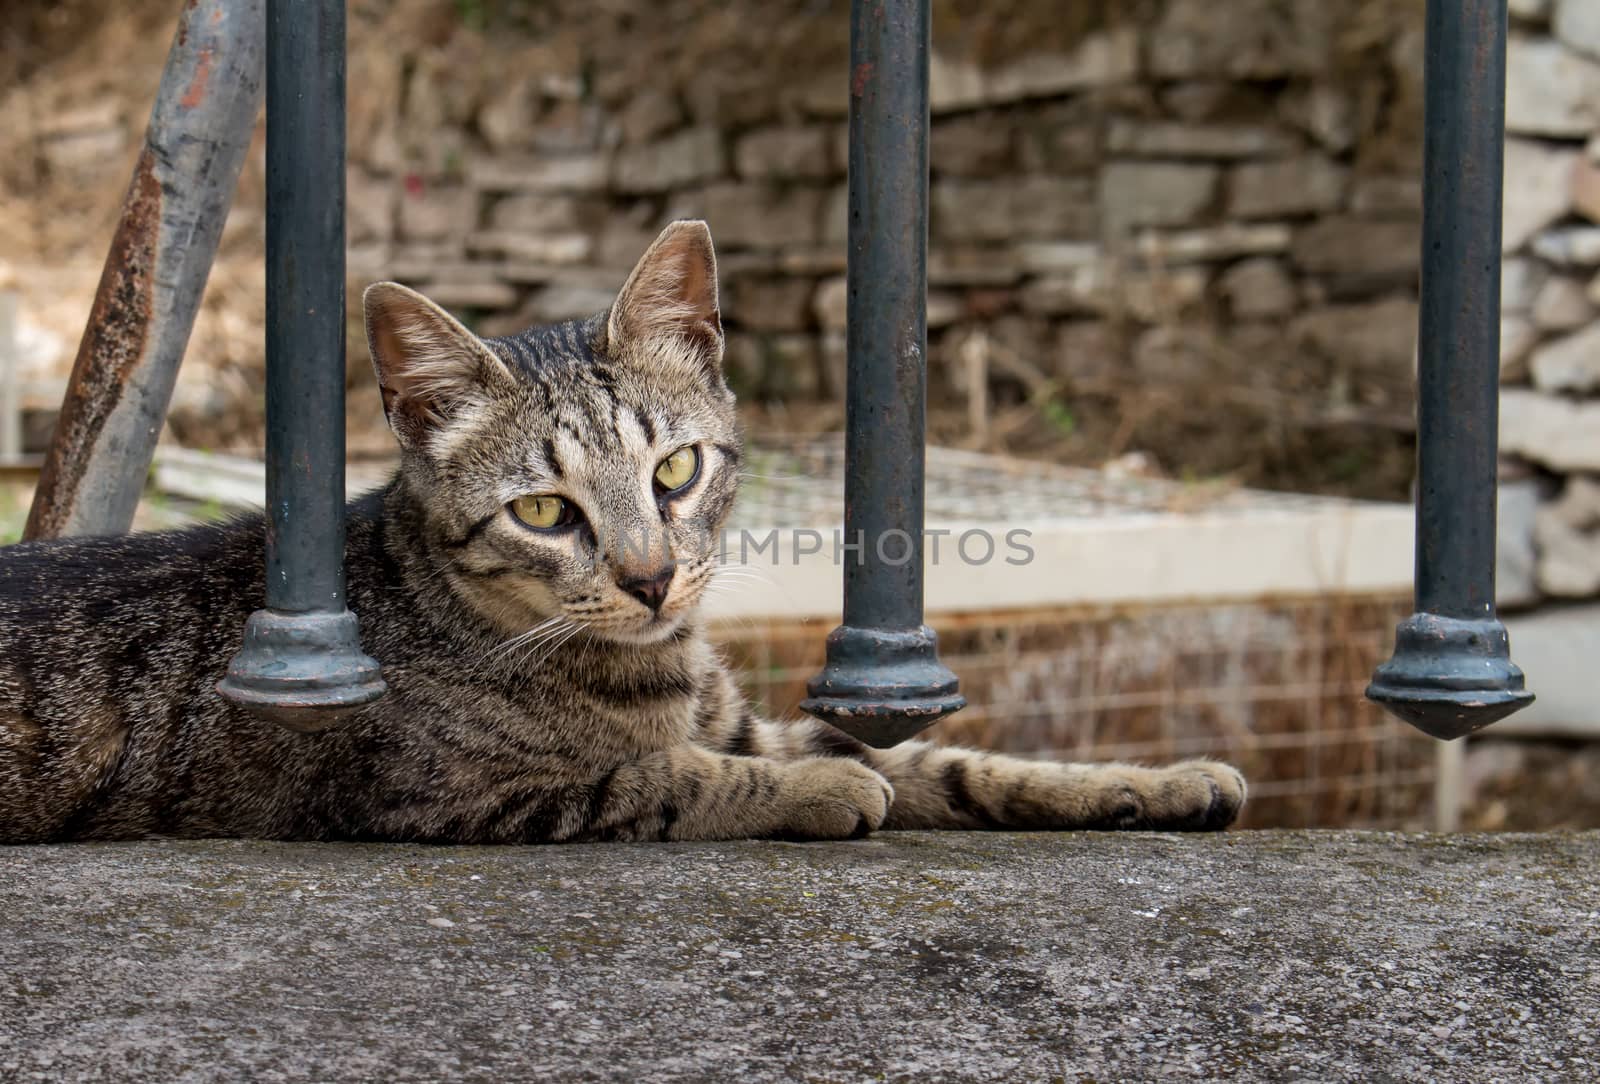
pixel 690 793
pixel 942 787
pixel 945 787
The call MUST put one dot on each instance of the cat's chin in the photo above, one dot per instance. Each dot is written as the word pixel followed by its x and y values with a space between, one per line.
pixel 662 628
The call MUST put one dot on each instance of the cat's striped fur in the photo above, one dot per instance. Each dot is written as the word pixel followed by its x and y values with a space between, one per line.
pixel 533 697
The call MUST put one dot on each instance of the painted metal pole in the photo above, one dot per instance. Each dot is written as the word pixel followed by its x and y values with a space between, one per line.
pixel 10 382
pixel 301 663
pixel 883 681
pixel 1451 672
pixel 149 292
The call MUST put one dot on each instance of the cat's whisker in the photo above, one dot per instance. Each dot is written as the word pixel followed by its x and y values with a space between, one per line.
pixel 532 640
pixel 552 648
pixel 744 574
pixel 551 635
pixel 523 637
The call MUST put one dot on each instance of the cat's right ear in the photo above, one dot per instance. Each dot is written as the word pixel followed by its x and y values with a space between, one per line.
pixel 428 365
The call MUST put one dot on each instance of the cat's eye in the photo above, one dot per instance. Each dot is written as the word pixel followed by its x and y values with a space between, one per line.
pixel 543 512
pixel 678 469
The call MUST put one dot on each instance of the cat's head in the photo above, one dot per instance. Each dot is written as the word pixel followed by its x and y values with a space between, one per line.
pixel 576 474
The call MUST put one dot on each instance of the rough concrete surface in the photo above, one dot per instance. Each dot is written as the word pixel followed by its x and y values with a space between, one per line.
pixel 953 957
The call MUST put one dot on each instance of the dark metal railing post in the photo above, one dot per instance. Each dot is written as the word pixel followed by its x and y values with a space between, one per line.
pixel 883 681
pixel 302 663
pixel 1451 672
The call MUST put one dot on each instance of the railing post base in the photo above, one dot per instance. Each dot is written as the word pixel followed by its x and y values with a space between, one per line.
pixel 883 686
pixel 302 670
pixel 1450 676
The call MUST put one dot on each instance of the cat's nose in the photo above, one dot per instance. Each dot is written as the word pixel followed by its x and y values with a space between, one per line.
pixel 650 590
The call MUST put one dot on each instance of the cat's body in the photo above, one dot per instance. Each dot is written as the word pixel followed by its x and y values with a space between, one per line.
pixel 544 685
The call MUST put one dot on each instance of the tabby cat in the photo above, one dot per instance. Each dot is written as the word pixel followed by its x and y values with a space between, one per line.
pixel 543 686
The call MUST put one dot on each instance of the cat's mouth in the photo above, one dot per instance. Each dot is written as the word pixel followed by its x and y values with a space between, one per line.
pixel 652 630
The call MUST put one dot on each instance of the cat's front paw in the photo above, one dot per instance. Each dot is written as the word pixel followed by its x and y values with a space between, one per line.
pixel 833 798
pixel 1195 796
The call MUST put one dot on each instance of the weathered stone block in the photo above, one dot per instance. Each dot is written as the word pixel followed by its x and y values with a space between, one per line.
pixel 764 304
pixel 1386 195
pixel 1101 59
pixel 811 260
pixel 1521 279
pixel 786 153
pixel 1537 189
pixel 435 212
pixel 648 114
pixel 1146 296
pixel 1053 256
pixel 1258 288
pixel 1568 364
pixel 1061 138
pixel 370 205
pixel 728 96
pixel 976 265
pixel 1516 557
pixel 539 173
pixel 1208 244
pixel 1304 185
pixel 1172 139
pixel 1155 193
pixel 1518 337
pixel 1198 100
pixel 1577 24
pixel 1379 336
pixel 829 303
pixel 421 261
pixel 1551 90
pixel 456 295
pixel 773 366
pixel 1567 541
pixel 1183 354
pixel 626 233
pixel 538 212
pixel 507 115
pixel 1586 187
pixel 423 265
pixel 972 145
pixel 1562 305
pixel 1353 246
pixel 1572 246
pixel 836 215
pixel 944 308
pixel 1005 210
pixel 1324 112
pixel 1085 291
pixel 559 302
pixel 754 215
pixel 1558 433
pixel 529 273
pixel 533 247
pixel 695 154
pixel 573 127
pixel 83 152
pixel 1258 39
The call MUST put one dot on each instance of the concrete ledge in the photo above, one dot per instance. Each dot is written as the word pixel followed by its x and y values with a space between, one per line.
pixel 905 957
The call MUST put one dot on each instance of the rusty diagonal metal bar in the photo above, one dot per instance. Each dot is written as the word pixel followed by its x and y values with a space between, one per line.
pixel 155 273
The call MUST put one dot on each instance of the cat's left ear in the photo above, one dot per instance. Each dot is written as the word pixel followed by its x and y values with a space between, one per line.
pixel 671 297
